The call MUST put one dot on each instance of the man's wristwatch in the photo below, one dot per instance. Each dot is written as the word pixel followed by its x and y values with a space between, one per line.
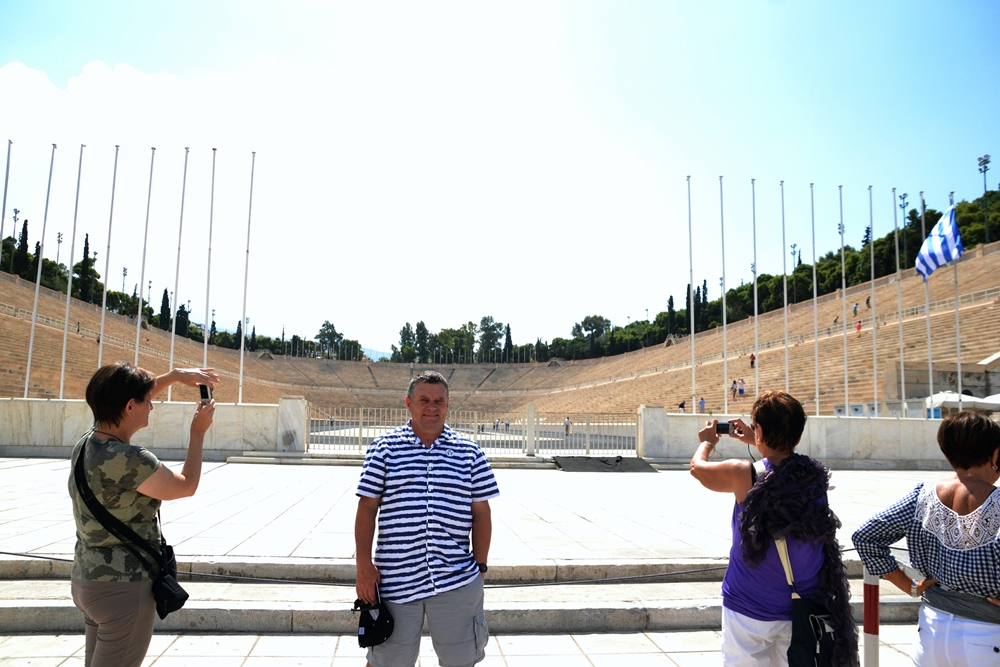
pixel 483 569
pixel 913 588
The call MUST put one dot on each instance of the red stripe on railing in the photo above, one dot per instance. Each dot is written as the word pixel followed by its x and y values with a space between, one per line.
pixel 871 620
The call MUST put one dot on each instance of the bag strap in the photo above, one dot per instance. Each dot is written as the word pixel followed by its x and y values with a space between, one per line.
pixel 782 547
pixel 756 470
pixel 109 521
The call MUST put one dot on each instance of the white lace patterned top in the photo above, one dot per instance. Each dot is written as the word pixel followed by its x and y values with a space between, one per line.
pixel 960 551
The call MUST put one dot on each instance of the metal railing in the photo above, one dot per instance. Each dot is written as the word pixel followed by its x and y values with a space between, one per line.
pixel 352 430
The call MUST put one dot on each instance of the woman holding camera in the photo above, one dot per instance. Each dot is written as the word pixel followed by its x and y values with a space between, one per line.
pixel 109 584
pixel 787 499
pixel 952 532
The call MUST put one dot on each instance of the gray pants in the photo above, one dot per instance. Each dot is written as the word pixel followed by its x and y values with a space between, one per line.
pixel 119 618
pixel 456 622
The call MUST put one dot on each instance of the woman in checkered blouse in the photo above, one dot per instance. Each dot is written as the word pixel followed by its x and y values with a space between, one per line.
pixel 952 531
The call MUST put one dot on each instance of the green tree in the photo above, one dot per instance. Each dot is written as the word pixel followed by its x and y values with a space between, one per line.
pixel 183 322
pixel 253 338
pixel 213 332
pixel 85 272
pixel 490 333
pixel 164 321
pixel 239 335
pixel 22 263
pixel 671 316
pixel 330 337
pixel 420 343
pixel 508 345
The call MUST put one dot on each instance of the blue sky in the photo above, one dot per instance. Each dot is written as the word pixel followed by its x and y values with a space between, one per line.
pixel 445 161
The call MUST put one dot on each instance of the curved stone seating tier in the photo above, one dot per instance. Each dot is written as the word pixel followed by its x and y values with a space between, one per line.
pixel 612 384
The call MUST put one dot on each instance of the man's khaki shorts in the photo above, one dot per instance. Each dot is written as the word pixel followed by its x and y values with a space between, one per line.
pixel 456 622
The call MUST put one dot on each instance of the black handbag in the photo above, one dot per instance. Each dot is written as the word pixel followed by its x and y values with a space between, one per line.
pixel 375 623
pixel 812 634
pixel 167 592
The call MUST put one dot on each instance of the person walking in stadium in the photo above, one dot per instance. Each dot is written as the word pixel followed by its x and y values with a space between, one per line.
pixel 109 584
pixel 566 425
pixel 782 496
pixel 952 531
pixel 430 487
pixel 753 360
pixel 857 327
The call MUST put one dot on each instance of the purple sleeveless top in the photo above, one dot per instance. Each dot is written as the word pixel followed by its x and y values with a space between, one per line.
pixel 762 592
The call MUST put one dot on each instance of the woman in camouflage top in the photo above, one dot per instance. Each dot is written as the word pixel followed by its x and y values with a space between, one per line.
pixel 109 584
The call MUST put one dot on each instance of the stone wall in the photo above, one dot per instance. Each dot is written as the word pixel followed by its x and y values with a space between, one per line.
pixel 852 443
pixel 50 427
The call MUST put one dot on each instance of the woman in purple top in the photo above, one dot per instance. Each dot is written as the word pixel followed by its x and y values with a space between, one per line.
pixel 787 499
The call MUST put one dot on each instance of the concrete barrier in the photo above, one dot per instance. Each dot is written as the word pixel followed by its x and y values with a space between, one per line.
pixel 843 443
pixel 50 428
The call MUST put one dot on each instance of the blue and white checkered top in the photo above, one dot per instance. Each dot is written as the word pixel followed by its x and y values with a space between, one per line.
pixel 425 514
pixel 960 551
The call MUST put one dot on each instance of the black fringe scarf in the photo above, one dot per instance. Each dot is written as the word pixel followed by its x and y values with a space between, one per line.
pixel 790 501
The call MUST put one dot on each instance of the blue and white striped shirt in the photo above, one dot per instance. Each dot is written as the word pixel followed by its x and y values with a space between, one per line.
pixel 425 513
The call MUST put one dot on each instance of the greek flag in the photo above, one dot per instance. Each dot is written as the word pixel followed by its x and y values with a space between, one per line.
pixel 942 245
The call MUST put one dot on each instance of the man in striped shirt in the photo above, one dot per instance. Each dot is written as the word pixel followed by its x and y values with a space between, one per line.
pixel 430 488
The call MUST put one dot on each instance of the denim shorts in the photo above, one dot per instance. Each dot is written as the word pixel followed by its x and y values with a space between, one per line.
pixel 457 625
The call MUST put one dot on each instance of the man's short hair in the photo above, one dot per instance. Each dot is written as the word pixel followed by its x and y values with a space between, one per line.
pixel 968 439
pixel 427 377
pixel 113 386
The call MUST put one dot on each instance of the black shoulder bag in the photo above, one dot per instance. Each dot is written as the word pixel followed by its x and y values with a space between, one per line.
pixel 167 592
pixel 812 635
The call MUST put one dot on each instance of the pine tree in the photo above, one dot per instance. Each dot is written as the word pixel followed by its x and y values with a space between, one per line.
pixel 165 311
pixel 212 332
pixel 253 338
pixel 508 344
pixel 238 336
pixel 21 254
pixel 86 273
pixel 33 271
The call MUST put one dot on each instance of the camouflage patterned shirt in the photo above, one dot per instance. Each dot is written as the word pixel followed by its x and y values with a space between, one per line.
pixel 114 470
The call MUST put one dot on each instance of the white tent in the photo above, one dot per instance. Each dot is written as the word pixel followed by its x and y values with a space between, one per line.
pixel 949 400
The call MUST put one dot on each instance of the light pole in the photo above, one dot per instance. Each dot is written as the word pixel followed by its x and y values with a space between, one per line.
pixel 902 206
pixel 984 166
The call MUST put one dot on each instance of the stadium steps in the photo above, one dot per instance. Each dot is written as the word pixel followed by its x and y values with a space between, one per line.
pixel 218 607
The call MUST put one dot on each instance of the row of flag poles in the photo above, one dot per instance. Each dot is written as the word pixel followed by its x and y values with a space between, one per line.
pixel 107 259
pixel 942 246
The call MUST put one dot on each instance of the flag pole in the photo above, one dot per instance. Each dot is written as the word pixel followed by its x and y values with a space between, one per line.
pixel 725 350
pixel 843 298
pixel 38 277
pixel 208 271
pixel 871 249
pixel 3 211
pixel 69 283
pixel 694 390
pixel 246 274
pixel 784 280
pixel 899 308
pixel 142 271
pixel 107 263
pixel 958 332
pixel 927 310
pixel 177 271
pixel 756 365
pixel 812 212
